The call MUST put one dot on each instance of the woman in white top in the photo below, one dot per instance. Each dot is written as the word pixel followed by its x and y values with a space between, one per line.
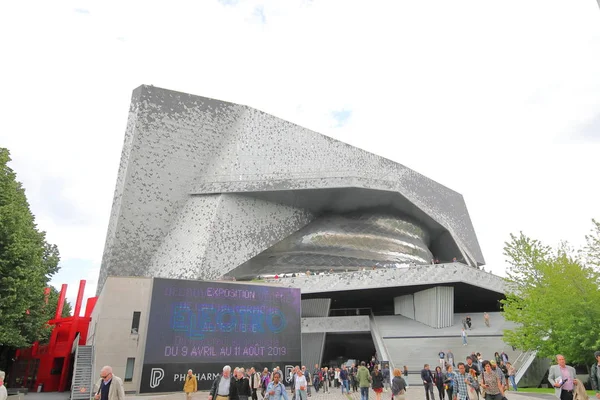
pixel 300 385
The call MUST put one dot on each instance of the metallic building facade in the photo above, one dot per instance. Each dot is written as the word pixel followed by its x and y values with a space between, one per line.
pixel 208 188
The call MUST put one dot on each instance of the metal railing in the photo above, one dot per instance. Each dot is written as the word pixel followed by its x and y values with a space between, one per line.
pixel 349 312
pixel 382 352
pixel 525 359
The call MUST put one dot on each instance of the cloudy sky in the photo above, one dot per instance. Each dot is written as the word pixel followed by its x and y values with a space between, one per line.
pixel 500 101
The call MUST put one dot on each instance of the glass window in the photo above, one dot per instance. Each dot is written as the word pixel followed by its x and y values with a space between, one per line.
pixel 135 323
pixel 129 369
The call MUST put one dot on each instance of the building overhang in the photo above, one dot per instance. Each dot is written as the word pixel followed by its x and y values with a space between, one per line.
pixel 420 275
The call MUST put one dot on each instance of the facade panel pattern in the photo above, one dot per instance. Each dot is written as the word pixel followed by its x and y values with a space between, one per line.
pixel 187 200
pixel 359 323
pixel 313 345
pixel 315 307
pixel 405 305
pixel 395 277
pixel 435 306
pixel 343 242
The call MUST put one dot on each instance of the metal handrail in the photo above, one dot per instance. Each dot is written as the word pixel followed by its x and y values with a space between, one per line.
pixel 379 339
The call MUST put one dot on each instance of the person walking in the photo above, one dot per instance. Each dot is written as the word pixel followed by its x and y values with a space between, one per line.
pixel 398 385
pixel 300 385
pixel 109 386
pixel 476 386
pixel 511 375
pixel 344 378
pixel 242 385
pixel 486 319
pixel 275 390
pixel 223 387
pixel 491 382
pixel 427 378
pixel 265 379
pixel 308 379
pixel 438 380
pixel 595 375
pixel 563 378
pixel 463 334
pixel 3 392
pixel 386 377
pixel 254 383
pixel 316 378
pixel 191 385
pixel 377 382
pixel 450 381
pixel 464 381
pixel 450 357
pixel 364 381
pixel 497 358
pixel 325 380
pixel 353 379
pixel 292 381
pixel 442 357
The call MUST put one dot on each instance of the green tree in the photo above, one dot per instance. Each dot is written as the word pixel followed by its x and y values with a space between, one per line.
pixel 27 262
pixel 591 252
pixel 553 296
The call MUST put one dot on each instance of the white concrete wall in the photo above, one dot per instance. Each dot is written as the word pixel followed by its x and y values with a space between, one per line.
pixel 359 323
pixel 435 306
pixel 110 329
pixel 405 305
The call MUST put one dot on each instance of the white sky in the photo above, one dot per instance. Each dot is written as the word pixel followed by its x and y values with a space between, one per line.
pixel 499 101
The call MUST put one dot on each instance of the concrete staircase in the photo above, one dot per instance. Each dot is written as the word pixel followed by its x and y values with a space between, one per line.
pixel 380 347
pixel 413 344
pixel 82 387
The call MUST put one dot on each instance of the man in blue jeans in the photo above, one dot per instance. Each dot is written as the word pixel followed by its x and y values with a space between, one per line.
pixel 364 381
pixel 344 379
pixel 427 378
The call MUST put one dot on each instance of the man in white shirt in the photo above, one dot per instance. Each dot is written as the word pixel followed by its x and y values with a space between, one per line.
pixel 3 393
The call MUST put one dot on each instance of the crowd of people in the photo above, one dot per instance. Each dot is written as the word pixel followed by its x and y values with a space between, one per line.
pixel 474 379
pixel 270 385
pixel 467 380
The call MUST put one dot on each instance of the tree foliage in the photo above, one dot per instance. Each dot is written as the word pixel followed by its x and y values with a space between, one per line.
pixel 554 297
pixel 27 262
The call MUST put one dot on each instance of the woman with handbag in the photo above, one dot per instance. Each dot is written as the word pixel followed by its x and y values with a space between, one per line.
pixel 475 389
pixel 491 383
pixel 450 381
pixel 398 385
pixel 438 381
pixel 377 382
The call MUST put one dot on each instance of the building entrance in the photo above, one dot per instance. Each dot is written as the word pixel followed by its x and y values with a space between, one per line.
pixel 341 347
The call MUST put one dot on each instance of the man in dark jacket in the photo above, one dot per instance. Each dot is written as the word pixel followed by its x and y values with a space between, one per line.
pixel 224 388
pixel 427 378
pixel 470 365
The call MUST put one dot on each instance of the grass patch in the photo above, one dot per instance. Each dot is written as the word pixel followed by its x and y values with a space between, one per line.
pixel 549 391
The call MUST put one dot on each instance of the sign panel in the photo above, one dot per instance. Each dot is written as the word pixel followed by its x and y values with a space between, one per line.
pixel 205 325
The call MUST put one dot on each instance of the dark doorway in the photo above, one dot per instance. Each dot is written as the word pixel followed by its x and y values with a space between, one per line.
pixel 341 347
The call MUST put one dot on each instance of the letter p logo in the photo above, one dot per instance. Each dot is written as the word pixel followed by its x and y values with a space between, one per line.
pixel 156 376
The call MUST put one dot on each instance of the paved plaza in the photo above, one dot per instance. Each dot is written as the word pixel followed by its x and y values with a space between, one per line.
pixel 413 393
